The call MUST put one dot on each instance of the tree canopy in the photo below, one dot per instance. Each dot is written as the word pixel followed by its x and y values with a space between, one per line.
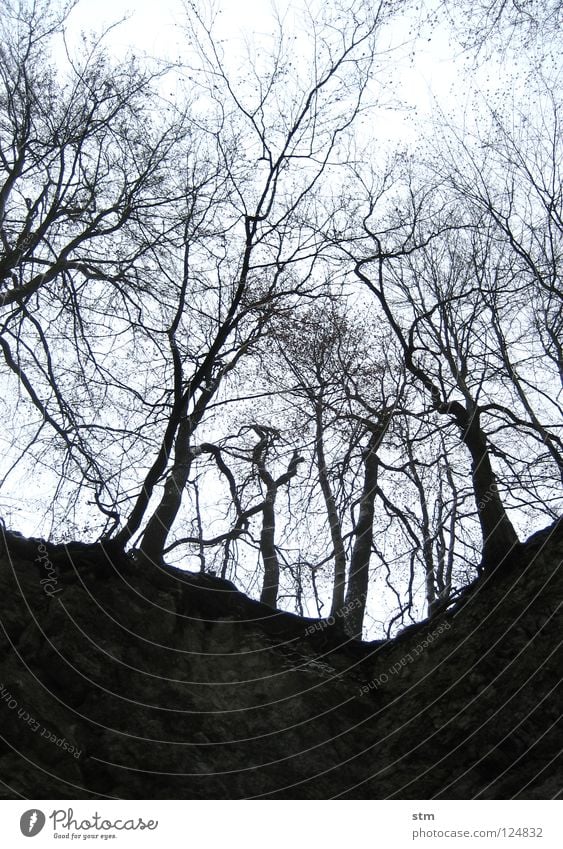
pixel 238 335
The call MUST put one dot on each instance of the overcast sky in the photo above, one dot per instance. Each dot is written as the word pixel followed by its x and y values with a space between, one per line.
pixel 419 66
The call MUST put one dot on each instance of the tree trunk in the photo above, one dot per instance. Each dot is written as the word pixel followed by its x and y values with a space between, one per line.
pixel 270 587
pixel 427 550
pixel 334 523
pixel 499 536
pixel 158 527
pixel 358 578
pixel 271 583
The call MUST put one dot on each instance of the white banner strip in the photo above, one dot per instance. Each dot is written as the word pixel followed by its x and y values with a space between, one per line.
pixel 275 825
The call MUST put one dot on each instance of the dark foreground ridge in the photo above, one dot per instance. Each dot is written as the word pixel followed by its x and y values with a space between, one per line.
pixel 120 682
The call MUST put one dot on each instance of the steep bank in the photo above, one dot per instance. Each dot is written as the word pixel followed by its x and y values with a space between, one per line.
pixel 120 683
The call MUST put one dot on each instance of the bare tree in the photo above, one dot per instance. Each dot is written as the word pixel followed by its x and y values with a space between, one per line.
pixel 268 234
pixel 325 359
pixel 509 179
pixel 426 296
pixel 82 162
pixel 181 241
pixel 270 586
